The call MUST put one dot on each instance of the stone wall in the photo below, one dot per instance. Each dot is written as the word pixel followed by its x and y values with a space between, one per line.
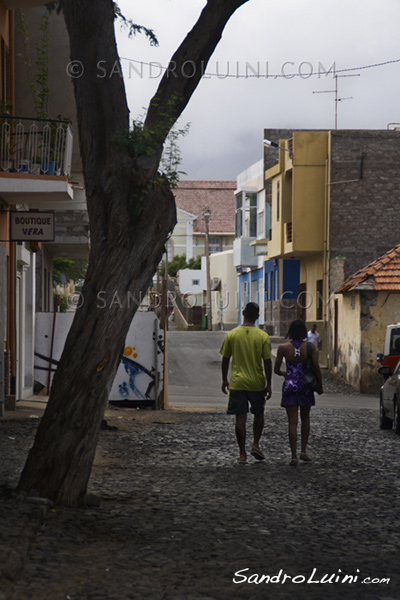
pixel 338 272
pixel 364 195
pixel 278 315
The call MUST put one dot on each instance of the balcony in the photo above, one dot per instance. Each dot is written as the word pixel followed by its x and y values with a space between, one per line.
pixel 260 246
pixel 243 253
pixel 35 160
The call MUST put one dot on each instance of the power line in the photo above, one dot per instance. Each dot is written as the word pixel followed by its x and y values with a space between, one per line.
pixel 267 75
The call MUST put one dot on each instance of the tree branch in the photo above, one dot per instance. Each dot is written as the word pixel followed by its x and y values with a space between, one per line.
pixel 133 28
pixel 188 65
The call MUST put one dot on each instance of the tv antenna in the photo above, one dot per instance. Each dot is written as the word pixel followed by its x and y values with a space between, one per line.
pixel 336 92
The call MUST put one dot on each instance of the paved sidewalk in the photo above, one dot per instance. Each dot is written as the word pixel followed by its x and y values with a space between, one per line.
pixel 178 517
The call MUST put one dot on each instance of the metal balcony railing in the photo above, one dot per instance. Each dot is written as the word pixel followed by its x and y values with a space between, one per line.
pixel 36 146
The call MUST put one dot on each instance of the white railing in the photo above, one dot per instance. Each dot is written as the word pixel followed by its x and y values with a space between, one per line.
pixel 37 146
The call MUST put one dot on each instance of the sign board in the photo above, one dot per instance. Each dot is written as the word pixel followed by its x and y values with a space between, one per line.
pixel 32 226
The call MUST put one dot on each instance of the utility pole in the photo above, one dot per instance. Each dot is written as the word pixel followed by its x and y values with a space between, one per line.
pixel 207 216
pixel 162 400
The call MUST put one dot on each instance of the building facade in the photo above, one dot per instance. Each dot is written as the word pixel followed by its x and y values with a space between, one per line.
pixel 364 305
pixel 40 172
pixel 192 197
pixel 334 198
pixel 252 220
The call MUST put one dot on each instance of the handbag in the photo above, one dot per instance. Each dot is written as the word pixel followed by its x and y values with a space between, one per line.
pixel 309 374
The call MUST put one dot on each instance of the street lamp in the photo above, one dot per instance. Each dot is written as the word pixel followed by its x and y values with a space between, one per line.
pixel 268 143
pixel 207 216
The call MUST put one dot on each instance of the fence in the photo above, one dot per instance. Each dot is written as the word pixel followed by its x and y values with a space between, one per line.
pixel 35 146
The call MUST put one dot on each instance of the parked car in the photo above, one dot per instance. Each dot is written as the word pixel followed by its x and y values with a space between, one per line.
pixel 389 402
pixel 391 349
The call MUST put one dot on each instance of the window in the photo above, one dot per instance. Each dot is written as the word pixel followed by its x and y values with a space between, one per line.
pixel 278 200
pixel 269 286
pixel 214 245
pixel 268 220
pixel 289 232
pixel 276 285
pixel 251 215
pixel 320 292
pixel 260 224
pixel 238 216
pixel 394 340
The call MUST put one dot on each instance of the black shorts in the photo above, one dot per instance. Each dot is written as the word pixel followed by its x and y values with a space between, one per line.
pixel 238 402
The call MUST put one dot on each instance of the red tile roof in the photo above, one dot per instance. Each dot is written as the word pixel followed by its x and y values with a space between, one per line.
pixel 383 273
pixel 193 196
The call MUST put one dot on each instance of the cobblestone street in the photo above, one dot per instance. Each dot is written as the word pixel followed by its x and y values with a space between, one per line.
pixel 179 518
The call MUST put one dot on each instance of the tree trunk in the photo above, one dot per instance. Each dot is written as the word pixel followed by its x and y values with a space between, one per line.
pixel 61 459
pixel 131 213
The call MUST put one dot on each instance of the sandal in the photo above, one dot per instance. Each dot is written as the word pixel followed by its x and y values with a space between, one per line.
pixel 257 454
pixel 305 457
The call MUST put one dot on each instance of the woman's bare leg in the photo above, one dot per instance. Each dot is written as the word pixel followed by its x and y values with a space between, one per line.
pixel 292 413
pixel 305 430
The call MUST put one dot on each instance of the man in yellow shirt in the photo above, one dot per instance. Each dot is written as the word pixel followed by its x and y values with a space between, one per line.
pixel 250 349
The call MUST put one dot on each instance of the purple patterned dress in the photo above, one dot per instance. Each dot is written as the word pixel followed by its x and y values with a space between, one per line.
pixel 295 391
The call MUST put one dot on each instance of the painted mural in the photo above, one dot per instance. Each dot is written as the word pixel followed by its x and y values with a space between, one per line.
pixel 139 377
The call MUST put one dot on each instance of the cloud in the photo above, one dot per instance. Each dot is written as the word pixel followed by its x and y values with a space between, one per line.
pixel 228 115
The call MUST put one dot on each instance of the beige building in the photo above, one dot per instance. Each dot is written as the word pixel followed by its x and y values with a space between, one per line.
pixel 334 199
pixel 364 305
pixel 299 230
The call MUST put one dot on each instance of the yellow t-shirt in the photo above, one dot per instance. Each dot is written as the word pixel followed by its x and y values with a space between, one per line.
pixel 247 346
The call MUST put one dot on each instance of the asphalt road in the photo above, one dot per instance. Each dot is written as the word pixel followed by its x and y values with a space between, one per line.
pixel 194 371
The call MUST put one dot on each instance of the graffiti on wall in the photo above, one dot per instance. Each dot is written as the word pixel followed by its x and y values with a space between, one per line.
pixel 139 377
pixel 140 373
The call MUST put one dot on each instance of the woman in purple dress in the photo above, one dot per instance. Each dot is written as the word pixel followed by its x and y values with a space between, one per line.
pixel 295 392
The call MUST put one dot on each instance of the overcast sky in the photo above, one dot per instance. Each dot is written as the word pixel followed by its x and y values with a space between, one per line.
pixel 228 114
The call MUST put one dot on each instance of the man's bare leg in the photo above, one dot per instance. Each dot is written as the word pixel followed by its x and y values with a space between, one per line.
pixel 258 426
pixel 240 430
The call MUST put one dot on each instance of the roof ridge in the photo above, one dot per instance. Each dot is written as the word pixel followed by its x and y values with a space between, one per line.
pixel 373 269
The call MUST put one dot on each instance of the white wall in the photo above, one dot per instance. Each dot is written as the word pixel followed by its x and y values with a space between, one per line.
pixel 252 177
pixel 182 235
pixel 189 277
pixel 136 377
pixel 225 300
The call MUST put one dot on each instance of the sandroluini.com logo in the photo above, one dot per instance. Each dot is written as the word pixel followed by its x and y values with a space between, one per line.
pixel 245 576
